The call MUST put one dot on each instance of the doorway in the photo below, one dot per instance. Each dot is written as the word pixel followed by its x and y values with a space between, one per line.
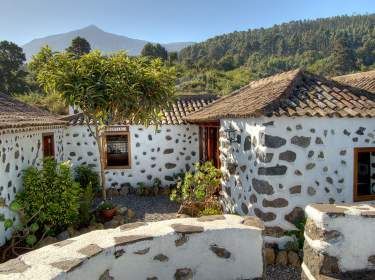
pixel 209 143
pixel 48 145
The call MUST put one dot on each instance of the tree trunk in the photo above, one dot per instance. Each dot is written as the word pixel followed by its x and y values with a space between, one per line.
pixel 98 138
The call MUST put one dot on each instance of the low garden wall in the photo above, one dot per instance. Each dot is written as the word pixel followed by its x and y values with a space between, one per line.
pixel 339 242
pixel 210 247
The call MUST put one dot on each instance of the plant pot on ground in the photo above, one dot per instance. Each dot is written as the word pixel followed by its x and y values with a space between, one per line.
pixel 107 209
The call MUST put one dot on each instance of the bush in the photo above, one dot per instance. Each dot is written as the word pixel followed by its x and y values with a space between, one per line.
pixel 85 205
pixel 85 176
pixel 197 186
pixel 51 195
pixel 105 205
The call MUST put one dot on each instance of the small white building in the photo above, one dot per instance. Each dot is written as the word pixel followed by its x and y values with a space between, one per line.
pixel 294 139
pixel 27 134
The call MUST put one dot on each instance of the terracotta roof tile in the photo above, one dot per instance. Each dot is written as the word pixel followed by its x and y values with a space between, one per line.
pixel 183 105
pixel 362 80
pixel 16 114
pixel 293 93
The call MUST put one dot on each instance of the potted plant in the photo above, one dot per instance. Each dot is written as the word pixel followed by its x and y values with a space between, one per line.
pixel 107 209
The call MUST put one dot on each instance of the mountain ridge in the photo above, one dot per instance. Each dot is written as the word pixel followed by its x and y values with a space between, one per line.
pixel 98 39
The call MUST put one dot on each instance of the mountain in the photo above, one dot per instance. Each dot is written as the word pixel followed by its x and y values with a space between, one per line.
pixel 98 39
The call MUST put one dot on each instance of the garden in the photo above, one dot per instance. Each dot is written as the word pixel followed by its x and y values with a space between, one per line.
pixel 59 202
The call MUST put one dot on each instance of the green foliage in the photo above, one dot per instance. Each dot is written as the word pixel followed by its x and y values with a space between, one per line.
pixel 79 47
pixel 86 204
pixel 298 236
pixel 105 205
pixel 156 51
pixel 331 46
pixel 107 88
pixel 86 176
pixel 209 211
pixel 50 195
pixel 50 102
pixel 199 185
pixel 12 76
pixel 156 183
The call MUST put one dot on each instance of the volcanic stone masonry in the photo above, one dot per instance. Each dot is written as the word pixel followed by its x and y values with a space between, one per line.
pixel 18 151
pixel 279 165
pixel 339 242
pixel 158 153
pixel 180 249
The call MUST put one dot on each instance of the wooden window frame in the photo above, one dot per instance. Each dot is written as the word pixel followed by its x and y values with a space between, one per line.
pixel 356 197
pixel 104 149
pixel 53 144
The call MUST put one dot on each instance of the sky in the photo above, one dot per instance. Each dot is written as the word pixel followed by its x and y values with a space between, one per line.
pixel 162 20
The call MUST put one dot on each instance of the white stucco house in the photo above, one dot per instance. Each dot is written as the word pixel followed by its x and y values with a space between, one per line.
pixel 134 154
pixel 282 142
pixel 294 139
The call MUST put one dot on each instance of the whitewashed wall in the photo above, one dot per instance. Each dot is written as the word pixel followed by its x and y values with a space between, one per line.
pixel 213 247
pixel 338 242
pixel 155 153
pixel 282 164
pixel 17 152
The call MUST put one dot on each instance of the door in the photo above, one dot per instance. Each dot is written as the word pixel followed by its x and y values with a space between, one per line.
pixel 48 145
pixel 209 144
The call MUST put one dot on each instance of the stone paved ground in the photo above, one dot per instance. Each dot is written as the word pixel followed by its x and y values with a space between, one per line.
pixel 149 208
pixel 280 272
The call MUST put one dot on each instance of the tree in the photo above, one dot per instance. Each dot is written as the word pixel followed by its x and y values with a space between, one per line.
pixel 154 51
pixel 79 47
pixel 343 57
pixel 108 89
pixel 12 76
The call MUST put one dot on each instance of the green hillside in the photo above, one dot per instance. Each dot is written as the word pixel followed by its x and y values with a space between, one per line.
pixel 330 46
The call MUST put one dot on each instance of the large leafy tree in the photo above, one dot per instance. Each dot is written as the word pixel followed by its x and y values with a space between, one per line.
pixel 343 57
pixel 12 74
pixel 108 89
pixel 79 47
pixel 155 51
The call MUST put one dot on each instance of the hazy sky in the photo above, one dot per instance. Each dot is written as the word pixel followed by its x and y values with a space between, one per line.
pixel 161 20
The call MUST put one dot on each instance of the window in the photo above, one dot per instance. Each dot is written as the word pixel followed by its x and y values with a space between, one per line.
pixel 116 150
pixel 48 145
pixel 364 174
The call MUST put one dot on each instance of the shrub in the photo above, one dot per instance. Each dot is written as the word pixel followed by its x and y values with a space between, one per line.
pixel 50 194
pixel 105 205
pixel 197 186
pixel 85 205
pixel 208 211
pixel 84 175
pixel 297 235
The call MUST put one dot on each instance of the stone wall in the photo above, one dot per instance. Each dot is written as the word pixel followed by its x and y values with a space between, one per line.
pixel 18 151
pixel 279 165
pixel 155 153
pixel 339 242
pixel 212 247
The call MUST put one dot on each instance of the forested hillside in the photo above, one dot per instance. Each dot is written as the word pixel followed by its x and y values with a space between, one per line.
pixel 331 46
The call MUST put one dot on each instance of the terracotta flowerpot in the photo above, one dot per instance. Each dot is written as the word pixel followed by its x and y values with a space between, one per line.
pixel 108 213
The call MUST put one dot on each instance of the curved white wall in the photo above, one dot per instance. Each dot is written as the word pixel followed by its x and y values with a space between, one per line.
pixel 213 247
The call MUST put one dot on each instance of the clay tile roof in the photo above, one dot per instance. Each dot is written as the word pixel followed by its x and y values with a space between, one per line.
pixel 183 105
pixel 16 114
pixel 292 93
pixel 362 80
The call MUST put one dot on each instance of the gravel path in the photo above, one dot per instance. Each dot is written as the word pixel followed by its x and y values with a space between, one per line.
pixel 280 272
pixel 149 208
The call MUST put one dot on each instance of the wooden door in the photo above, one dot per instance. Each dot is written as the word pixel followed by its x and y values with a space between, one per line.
pixel 209 144
pixel 48 145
